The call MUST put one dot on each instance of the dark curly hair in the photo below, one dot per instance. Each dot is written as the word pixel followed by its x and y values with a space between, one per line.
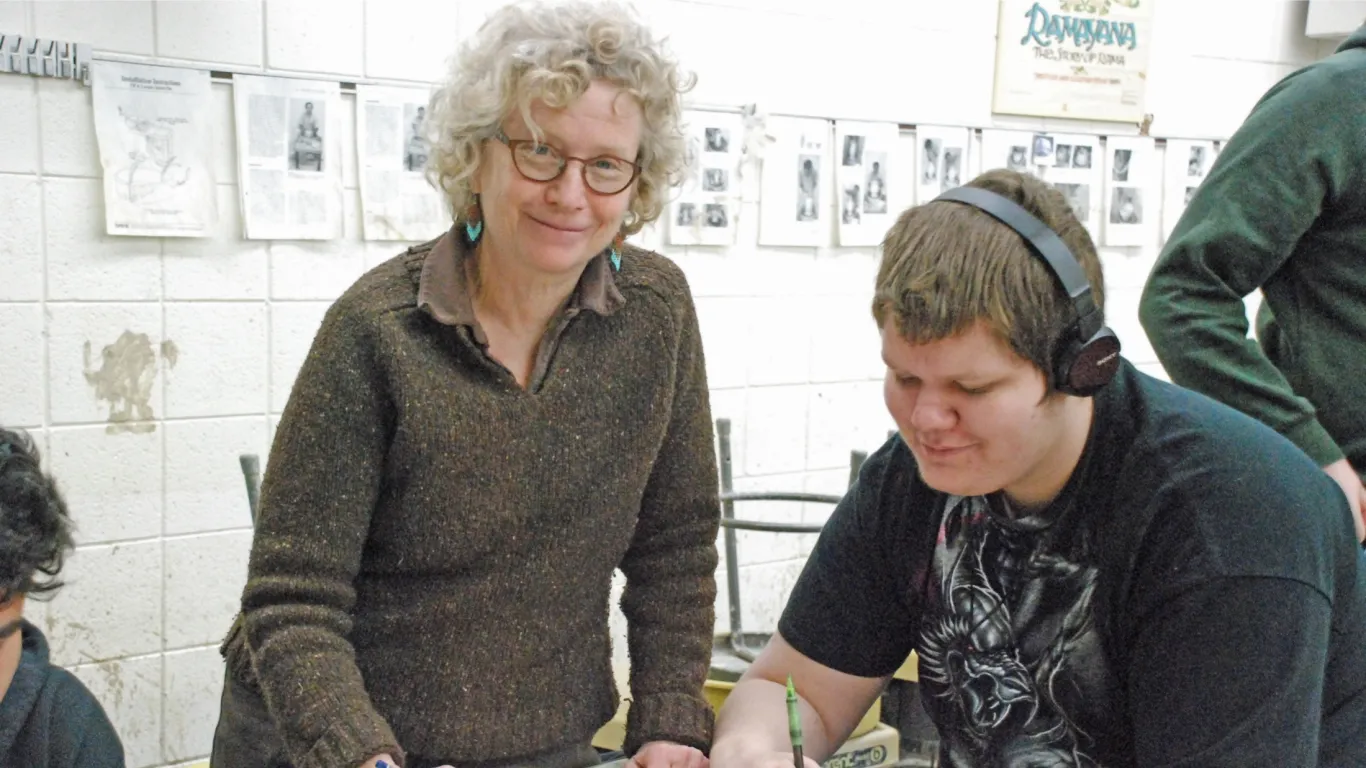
pixel 35 529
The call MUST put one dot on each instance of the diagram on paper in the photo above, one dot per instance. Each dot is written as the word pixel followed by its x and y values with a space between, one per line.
pixel 154 149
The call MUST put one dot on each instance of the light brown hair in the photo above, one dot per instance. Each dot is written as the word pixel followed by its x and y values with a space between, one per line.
pixel 947 265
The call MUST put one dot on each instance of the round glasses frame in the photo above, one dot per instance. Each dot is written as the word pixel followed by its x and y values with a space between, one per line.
pixel 584 165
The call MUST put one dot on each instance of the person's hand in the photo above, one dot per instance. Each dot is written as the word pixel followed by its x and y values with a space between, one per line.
pixel 746 756
pixel 380 761
pixel 1350 482
pixel 666 754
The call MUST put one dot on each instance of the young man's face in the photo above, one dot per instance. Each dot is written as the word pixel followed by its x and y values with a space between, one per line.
pixel 974 415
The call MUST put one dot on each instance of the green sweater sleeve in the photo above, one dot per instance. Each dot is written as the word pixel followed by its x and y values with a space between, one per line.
pixel 1294 154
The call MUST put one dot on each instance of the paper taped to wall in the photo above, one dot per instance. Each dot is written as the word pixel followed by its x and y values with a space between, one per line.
pixel 154 142
pixel 397 202
pixel 289 157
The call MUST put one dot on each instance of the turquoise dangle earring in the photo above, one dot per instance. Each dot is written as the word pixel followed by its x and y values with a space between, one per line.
pixel 474 221
pixel 615 253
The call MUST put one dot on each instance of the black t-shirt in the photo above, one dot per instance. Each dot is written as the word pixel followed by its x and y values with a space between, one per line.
pixel 1194 597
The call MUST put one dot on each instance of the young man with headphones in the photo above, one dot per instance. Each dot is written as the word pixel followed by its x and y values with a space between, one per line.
pixel 1096 568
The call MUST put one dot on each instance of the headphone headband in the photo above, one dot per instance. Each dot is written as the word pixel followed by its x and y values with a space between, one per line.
pixel 1044 243
pixel 1090 357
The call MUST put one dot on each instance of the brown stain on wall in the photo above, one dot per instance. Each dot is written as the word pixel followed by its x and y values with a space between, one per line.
pixel 127 369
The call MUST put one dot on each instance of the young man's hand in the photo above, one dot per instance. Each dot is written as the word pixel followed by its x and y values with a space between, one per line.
pixel 1350 482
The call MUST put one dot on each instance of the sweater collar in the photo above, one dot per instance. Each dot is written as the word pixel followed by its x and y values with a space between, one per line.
pixel 444 292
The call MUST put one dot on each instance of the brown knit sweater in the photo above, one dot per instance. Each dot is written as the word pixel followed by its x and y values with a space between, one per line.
pixel 432 561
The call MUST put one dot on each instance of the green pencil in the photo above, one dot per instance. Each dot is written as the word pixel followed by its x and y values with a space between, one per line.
pixel 794 725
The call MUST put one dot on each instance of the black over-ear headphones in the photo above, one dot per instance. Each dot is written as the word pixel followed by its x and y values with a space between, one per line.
pixel 1088 354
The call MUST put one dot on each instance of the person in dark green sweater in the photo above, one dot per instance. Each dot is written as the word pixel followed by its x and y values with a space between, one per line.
pixel 48 718
pixel 1283 211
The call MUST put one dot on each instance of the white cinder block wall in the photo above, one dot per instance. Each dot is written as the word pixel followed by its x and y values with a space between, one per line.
pixel 224 323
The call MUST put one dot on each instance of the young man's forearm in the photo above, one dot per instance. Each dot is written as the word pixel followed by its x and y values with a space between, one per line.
pixel 755 717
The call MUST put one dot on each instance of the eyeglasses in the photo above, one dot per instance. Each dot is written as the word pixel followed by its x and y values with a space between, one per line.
pixel 605 175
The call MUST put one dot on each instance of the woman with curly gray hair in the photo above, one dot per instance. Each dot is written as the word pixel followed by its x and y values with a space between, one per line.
pixel 485 428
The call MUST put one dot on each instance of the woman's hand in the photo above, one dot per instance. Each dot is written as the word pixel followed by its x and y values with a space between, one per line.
pixel 380 761
pixel 666 754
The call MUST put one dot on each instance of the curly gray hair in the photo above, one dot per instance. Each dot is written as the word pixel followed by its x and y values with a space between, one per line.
pixel 553 52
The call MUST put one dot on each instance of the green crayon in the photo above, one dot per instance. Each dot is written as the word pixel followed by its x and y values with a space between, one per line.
pixel 794 724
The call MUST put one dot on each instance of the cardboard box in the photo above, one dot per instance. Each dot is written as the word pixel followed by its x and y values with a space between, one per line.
pixel 878 747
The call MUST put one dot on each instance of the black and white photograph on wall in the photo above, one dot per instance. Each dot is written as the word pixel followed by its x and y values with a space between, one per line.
pixel 307 119
pixel 1081 157
pixel 392 151
pixel 853 150
pixel 1043 149
pixel 718 139
pixel 415 148
pixel 874 175
pixel 1018 159
pixel 1119 168
pixel 808 184
pixel 1007 149
pixel 1186 165
pixel 1196 167
pixel 799 182
pixel 1126 205
pixel 1133 182
pixel 933 144
pixel 716 215
pixel 284 190
pixel 1079 198
pixel 1014 150
pixel 875 186
pixel 929 160
pixel 849 205
pixel 714 144
pixel 953 167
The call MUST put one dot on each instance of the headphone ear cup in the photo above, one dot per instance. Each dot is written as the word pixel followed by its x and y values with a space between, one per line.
pixel 1087 368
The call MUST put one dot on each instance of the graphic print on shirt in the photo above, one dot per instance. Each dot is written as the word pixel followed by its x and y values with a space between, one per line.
pixel 1008 649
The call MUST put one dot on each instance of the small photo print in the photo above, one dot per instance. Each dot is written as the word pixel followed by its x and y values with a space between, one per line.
pixel 1062 155
pixel 1126 206
pixel 953 167
pixel 1195 168
pixel 718 140
pixel 715 180
pixel 853 150
pixel 808 182
pixel 687 214
pixel 1018 160
pixel 875 185
pixel 307 118
pixel 1119 169
pixel 1081 156
pixel 415 148
pixel 1043 148
pixel 929 160
pixel 1078 197
pixel 716 215
pixel 1190 193
pixel 849 205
